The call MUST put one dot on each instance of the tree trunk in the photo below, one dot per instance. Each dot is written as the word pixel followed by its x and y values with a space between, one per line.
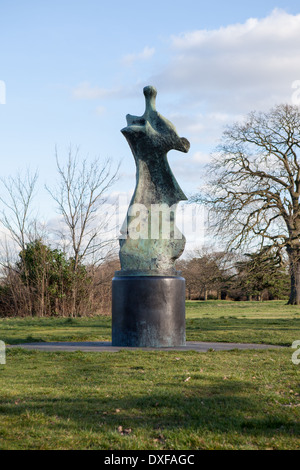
pixel 294 258
pixel 73 305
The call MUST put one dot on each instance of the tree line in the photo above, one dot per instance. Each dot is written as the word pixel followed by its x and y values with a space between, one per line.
pixel 66 270
pixel 252 188
pixel 231 276
pixel 43 280
pixel 251 192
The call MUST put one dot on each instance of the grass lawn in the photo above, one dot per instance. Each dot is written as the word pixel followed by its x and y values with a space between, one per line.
pixel 154 399
pixel 245 322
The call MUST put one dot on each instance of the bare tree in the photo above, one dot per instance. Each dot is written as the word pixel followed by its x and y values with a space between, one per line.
pixel 16 214
pixel 20 224
pixel 81 196
pixel 254 186
pixel 261 275
pixel 205 272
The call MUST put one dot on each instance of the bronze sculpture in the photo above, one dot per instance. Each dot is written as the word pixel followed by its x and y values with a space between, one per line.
pixel 148 294
pixel 151 137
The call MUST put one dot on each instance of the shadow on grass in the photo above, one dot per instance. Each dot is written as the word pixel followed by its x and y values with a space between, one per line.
pixel 217 408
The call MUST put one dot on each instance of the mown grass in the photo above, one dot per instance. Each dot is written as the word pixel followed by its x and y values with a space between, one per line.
pixel 159 399
pixel 245 322
pixel 271 322
pixel 150 400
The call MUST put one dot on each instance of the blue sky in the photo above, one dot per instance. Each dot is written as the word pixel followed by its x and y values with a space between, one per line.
pixel 74 69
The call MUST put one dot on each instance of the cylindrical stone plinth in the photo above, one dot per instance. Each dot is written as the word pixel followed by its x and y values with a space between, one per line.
pixel 148 311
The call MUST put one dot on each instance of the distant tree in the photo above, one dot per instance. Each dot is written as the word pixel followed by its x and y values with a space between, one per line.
pixel 50 277
pixel 17 212
pixel 204 271
pixel 254 186
pixel 81 196
pixel 47 274
pixel 263 271
pixel 47 277
pixel 101 277
pixel 19 220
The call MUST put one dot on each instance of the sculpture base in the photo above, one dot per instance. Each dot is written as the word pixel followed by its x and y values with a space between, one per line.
pixel 148 311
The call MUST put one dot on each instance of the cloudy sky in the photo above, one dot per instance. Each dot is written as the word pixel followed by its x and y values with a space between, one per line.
pixel 71 70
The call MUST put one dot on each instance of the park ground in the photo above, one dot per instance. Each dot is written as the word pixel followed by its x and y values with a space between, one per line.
pixel 155 399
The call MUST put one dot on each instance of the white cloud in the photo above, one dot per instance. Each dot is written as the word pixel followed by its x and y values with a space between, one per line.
pixel 236 68
pixel 146 54
pixel 84 91
pixel 278 27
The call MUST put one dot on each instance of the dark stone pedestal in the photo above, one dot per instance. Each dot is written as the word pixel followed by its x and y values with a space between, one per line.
pixel 148 311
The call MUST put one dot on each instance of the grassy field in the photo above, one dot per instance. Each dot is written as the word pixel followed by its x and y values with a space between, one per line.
pixel 245 322
pixel 155 400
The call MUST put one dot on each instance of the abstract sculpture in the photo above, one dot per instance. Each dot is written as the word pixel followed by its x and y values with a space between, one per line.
pixel 148 292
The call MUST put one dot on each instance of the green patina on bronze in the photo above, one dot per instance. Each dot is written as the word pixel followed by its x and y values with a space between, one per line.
pixel 151 137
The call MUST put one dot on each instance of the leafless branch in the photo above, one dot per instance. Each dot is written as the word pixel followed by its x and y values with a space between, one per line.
pixel 80 196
